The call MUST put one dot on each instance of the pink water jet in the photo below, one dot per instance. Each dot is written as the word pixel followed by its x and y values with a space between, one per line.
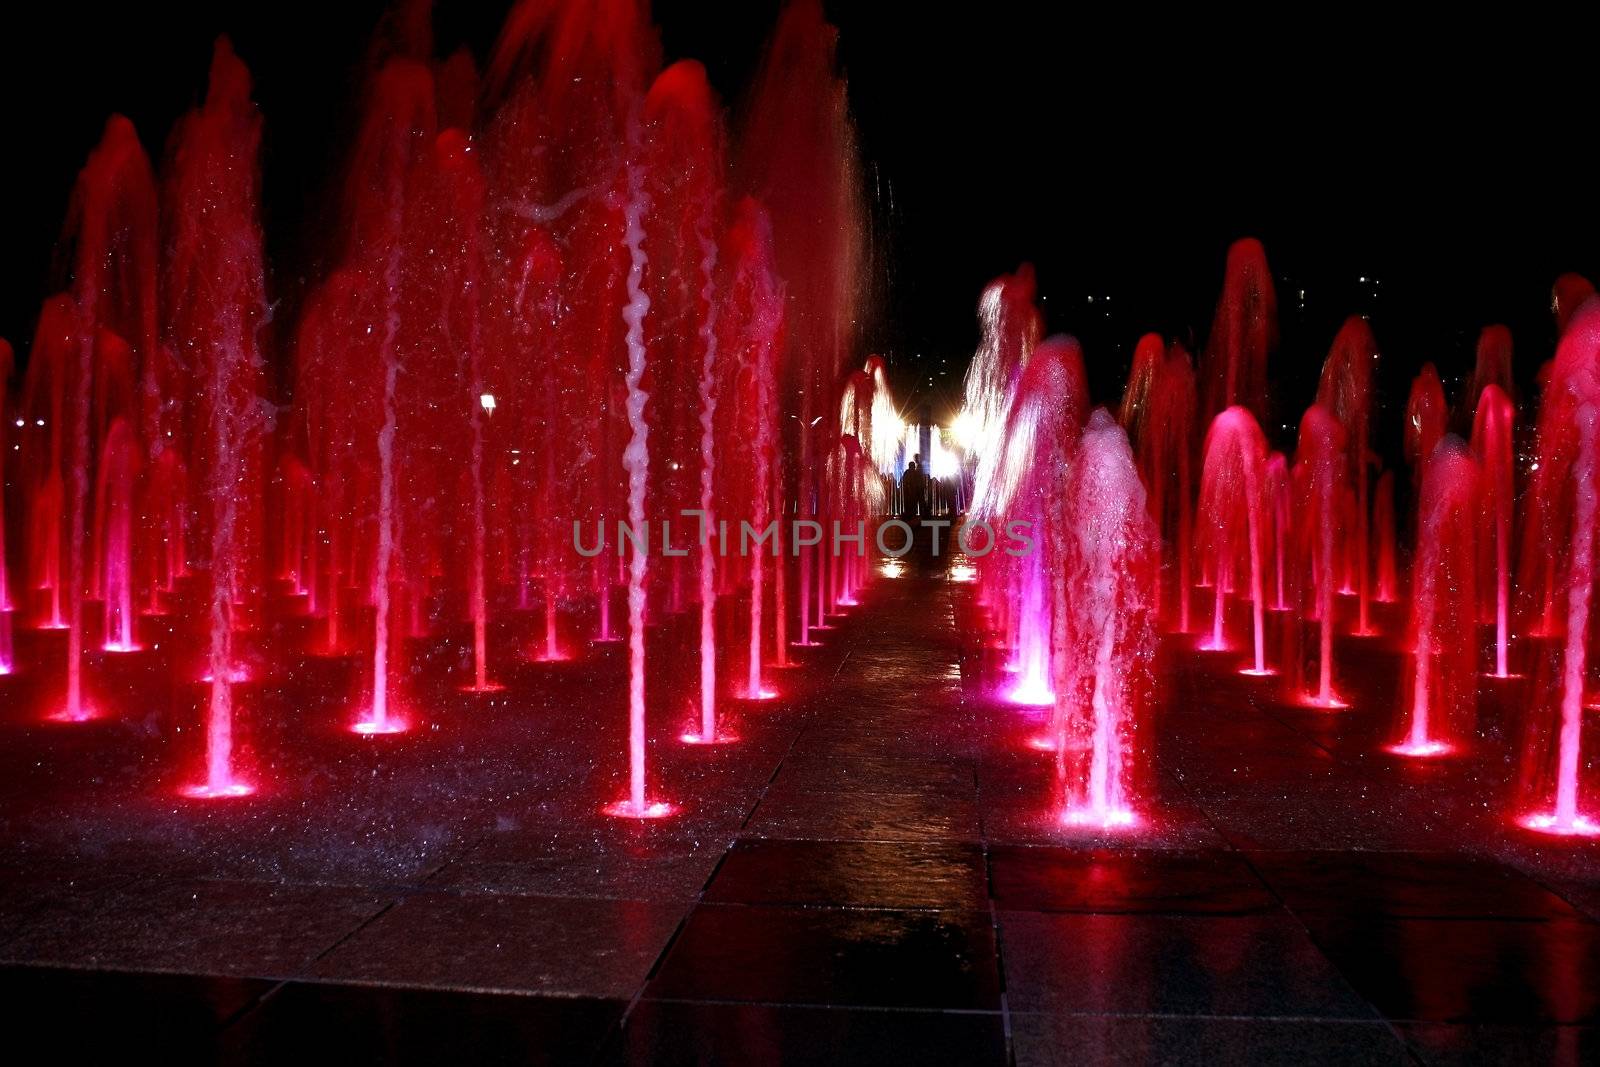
pixel 1280 505
pixel 1569 293
pixel 1569 451
pixel 1425 422
pixel 797 156
pixel 1492 441
pixel 1105 583
pixel 754 326
pixel 1244 332
pixel 1345 389
pixel 1158 412
pixel 7 659
pixel 1441 711
pixel 1040 428
pixel 1492 365
pixel 1319 476
pixel 1383 522
pixel 215 291
pixel 114 508
pixel 1231 502
pixel 111 320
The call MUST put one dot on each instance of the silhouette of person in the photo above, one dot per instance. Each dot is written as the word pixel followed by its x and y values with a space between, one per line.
pixel 913 489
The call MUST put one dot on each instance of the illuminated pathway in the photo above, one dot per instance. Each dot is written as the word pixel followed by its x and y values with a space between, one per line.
pixel 874 873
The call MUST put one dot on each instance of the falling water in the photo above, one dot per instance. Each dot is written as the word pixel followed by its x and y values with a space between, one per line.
pixel 1230 506
pixel 1442 708
pixel 1492 432
pixel 1108 559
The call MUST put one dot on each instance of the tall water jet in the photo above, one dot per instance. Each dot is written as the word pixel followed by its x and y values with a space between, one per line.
pixel 215 290
pixel 7 661
pixel 111 229
pixel 1569 293
pixel 1158 412
pixel 797 155
pixel 1492 365
pixel 1569 430
pixel 399 128
pixel 1346 390
pixel 1231 513
pixel 1010 326
pixel 464 196
pixel 1442 707
pixel 1041 428
pixel 1244 333
pixel 1279 510
pixel 114 512
pixel 563 94
pixel 753 329
pixel 1383 522
pixel 51 364
pixel 636 462
pixel 1425 422
pixel 1492 442
pixel 1105 644
pixel 684 173
pixel 1320 468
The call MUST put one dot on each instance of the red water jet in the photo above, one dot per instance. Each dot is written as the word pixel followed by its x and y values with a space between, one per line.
pixel 1440 710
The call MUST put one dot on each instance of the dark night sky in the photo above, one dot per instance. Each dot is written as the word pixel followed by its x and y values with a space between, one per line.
pixel 1120 155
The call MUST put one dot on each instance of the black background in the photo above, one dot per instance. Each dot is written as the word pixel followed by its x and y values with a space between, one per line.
pixel 1120 150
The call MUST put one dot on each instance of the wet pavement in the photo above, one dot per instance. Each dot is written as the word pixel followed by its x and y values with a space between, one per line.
pixel 874 873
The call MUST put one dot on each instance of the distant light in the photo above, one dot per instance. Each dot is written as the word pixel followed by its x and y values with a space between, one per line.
pixel 487 400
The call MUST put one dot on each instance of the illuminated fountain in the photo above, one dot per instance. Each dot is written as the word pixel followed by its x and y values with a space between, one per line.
pixel 567 296
pixel 797 156
pixel 1039 432
pixel 1158 413
pixel 753 326
pixel 44 455
pixel 1104 588
pixel 118 476
pixel 214 289
pixel 1244 332
pixel 1383 521
pixel 1231 505
pixel 1346 391
pixel 1425 423
pixel 1319 476
pixel 397 132
pixel 1440 711
pixel 1492 365
pixel 1492 442
pixel 1569 465
pixel 107 339
pixel 7 657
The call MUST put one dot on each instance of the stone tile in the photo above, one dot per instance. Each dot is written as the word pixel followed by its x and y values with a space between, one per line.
pixel 1107 880
pixel 597 948
pixel 218 928
pixel 852 874
pixel 326 1023
pixel 666 1033
pixel 1406 884
pixel 1120 1041
pixel 1263 966
pixel 847 957
pixel 1462 970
